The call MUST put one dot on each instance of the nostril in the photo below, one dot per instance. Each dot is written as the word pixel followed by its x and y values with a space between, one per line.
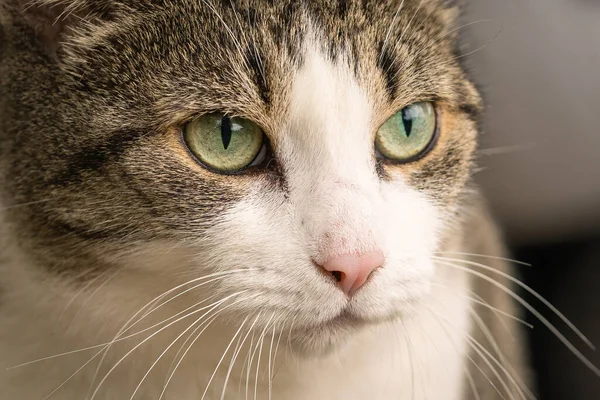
pixel 338 276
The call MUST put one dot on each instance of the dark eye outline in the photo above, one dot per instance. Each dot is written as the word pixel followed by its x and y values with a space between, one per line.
pixel 426 150
pixel 261 160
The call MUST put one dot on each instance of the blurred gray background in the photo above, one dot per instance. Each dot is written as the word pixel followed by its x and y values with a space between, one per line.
pixel 541 78
pixel 538 65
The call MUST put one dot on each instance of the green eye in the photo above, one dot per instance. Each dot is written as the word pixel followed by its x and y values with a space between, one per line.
pixel 408 134
pixel 225 144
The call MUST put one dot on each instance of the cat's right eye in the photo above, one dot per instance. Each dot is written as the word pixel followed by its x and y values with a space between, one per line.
pixel 225 144
pixel 408 134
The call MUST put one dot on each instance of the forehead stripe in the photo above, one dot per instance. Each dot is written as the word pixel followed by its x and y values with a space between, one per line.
pixel 259 72
pixel 390 70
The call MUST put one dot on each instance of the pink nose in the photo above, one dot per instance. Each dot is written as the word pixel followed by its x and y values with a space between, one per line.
pixel 351 271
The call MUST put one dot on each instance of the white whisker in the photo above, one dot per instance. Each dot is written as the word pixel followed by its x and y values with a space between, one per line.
pixel 500 29
pixel 485 355
pixel 248 364
pixel 236 42
pixel 529 290
pixel 270 371
pixel 117 339
pixel 469 358
pixel 168 348
pixel 151 336
pixel 173 367
pixel 223 357
pixel 260 348
pixel 502 358
pixel 150 306
pixel 94 292
pixel 478 300
pixel 484 256
pixel 80 292
pixel 389 32
pixel 235 355
pixel 531 309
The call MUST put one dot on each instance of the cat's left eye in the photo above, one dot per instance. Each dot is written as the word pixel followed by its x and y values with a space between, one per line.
pixel 408 134
pixel 225 144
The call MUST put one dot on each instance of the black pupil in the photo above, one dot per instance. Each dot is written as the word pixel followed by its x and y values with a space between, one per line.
pixel 226 131
pixel 407 119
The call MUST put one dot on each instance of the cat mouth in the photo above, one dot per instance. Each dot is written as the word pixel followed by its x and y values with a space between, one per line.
pixel 323 337
pixel 346 318
pixel 353 316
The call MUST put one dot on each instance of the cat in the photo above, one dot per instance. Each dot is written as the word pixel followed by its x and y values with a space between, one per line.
pixel 233 199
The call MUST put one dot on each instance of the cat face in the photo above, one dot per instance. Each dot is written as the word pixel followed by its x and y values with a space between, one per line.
pixel 95 132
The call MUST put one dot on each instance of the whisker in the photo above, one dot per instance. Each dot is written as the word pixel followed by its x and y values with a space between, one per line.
pixel 411 358
pixel 277 348
pixel 72 375
pixel 389 32
pixel 484 256
pixel 507 149
pixel 168 348
pixel 150 337
pixel 31 203
pixel 117 337
pixel 472 384
pixel 239 24
pixel 470 358
pixel 424 333
pixel 248 364
pixel 80 292
pixel 261 65
pixel 502 358
pixel 531 309
pixel 150 305
pixel 236 42
pixel 479 300
pixel 468 374
pixel 191 326
pixel 236 353
pixel 220 275
pixel 223 357
pixel 500 29
pixel 185 343
pixel 204 326
pixel 407 27
pixel 481 351
pixel 123 330
pixel 449 33
pixel 270 376
pixel 530 291
pixel 94 292
pixel 260 347
pixel 291 330
pixel 77 371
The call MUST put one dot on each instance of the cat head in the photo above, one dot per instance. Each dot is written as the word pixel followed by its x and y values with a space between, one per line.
pixel 308 157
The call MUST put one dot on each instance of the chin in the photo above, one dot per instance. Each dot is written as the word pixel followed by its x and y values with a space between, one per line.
pixel 323 339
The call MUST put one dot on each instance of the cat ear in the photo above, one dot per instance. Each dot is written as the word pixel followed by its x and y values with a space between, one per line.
pixel 52 21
